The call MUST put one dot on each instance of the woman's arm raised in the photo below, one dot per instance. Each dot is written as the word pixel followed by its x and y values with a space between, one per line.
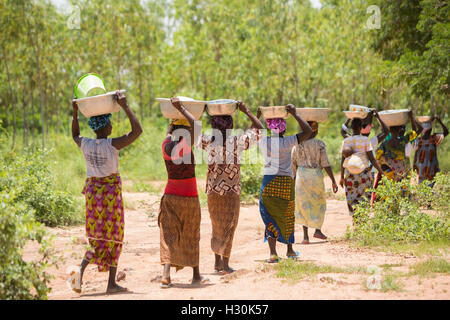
pixel 306 129
pixel 75 125
pixel 136 129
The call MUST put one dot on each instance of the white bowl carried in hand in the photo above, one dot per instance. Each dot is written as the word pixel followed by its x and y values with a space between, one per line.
pixel 393 118
pixel 356 114
pixel 97 105
pixel 221 107
pixel 195 107
pixel 313 114
pixel 274 112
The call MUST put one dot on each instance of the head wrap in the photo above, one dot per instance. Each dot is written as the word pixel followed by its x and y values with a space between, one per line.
pixel 277 125
pixel 366 128
pixel 426 126
pixel 181 122
pixel 98 122
pixel 222 122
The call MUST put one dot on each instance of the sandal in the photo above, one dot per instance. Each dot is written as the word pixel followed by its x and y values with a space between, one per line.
pixel 165 284
pixel 294 257
pixel 74 280
pixel 273 259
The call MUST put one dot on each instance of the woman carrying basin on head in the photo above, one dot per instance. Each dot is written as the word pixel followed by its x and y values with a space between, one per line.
pixel 277 194
pixel 103 191
pixel 357 179
pixel 308 159
pixel 223 182
pixel 425 158
pixel 179 215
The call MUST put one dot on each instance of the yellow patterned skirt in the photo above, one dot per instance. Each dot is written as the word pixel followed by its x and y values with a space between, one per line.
pixel 310 198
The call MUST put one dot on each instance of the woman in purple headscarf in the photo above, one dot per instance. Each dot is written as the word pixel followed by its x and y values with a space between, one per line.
pixel 223 185
pixel 277 195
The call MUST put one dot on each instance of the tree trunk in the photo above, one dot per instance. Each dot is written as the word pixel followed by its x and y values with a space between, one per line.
pixel 11 97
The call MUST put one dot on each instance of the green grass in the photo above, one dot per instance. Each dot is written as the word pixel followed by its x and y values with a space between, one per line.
pixel 419 249
pixel 295 270
pixel 430 267
pixel 391 282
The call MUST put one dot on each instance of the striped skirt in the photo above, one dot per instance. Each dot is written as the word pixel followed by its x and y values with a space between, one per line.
pixel 276 206
pixel 105 221
pixel 179 223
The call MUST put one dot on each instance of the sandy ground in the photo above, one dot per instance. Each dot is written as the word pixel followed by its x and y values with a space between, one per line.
pixel 253 279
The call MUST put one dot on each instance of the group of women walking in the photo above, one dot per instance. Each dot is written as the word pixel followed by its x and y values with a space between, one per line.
pixel 292 186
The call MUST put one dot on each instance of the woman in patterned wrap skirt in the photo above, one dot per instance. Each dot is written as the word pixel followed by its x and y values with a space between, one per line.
pixel 356 184
pixel 179 215
pixel 277 193
pixel 223 182
pixel 103 191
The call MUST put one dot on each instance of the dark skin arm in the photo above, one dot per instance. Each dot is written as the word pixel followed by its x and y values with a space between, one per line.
pixel 330 174
pixel 374 162
pixel 136 129
pixel 341 182
pixel 415 125
pixel 306 129
pixel 442 125
pixel 177 104
pixel 385 128
pixel 255 121
pixel 344 134
pixel 75 125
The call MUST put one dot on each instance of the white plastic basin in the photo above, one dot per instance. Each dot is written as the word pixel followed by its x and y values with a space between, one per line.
pixel 97 105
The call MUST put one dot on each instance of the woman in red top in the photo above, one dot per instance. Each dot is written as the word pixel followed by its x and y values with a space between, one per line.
pixel 179 216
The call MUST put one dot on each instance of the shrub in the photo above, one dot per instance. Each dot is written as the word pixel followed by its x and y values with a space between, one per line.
pixel 401 215
pixel 251 174
pixel 28 175
pixel 20 279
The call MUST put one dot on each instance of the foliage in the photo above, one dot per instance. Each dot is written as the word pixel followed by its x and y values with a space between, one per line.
pixel 31 180
pixel 400 216
pixel 20 279
pixel 415 38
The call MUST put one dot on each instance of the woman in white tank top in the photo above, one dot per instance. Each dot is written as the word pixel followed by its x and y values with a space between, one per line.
pixel 103 191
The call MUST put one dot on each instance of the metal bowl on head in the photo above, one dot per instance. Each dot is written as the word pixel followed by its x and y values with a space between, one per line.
pixel 394 118
pixel 221 107
pixel 356 114
pixel 274 112
pixel 313 114
pixel 195 107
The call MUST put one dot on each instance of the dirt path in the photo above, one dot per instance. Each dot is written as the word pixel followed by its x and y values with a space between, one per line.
pixel 140 261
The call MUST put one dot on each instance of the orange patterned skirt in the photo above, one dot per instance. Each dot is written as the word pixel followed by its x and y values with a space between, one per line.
pixel 224 214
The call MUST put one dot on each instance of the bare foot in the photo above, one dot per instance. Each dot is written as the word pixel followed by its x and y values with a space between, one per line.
pixel 200 281
pixel 227 270
pixel 319 235
pixel 305 241
pixel 115 289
